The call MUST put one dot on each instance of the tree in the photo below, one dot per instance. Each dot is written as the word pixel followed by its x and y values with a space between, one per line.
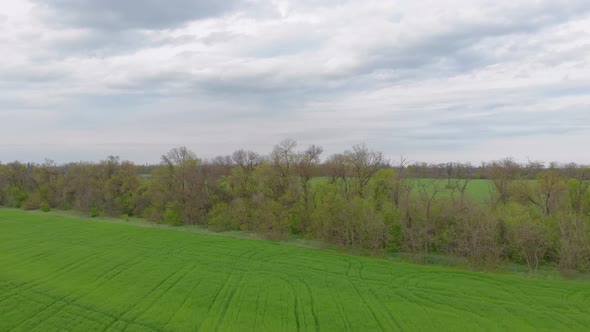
pixel 403 186
pixel 551 190
pixel 475 236
pixel 180 191
pixel 502 173
pixel 420 224
pixel 305 164
pixel 526 233
pixel 449 173
pixel 548 192
pixel 363 164
pixel 338 171
pixel 241 177
pixel 120 184
pixel 282 159
pixel 579 189
pixel 383 186
pixel 574 243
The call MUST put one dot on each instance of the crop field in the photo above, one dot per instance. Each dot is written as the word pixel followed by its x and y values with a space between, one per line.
pixel 59 273
pixel 477 189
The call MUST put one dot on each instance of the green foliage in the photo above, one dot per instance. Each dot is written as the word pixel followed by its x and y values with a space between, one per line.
pixel 529 235
pixel 396 237
pixel 123 277
pixel 45 207
pixel 15 197
pixel 358 201
pixel 224 217
pixel 94 212
pixel 477 236
pixel 172 215
pixel 579 195
pixel 382 185
pixel 573 242
pixel 354 223
pixel 33 202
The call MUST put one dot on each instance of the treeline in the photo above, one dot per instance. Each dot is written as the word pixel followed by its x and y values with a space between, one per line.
pixel 357 198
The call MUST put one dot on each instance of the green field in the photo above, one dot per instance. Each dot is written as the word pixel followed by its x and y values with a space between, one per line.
pixel 60 273
pixel 477 189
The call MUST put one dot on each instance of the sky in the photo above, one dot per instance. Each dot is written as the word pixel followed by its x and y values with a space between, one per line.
pixel 435 81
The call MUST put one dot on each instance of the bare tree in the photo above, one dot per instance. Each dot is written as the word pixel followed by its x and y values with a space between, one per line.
pixel 247 160
pixel 420 225
pixel 337 167
pixel 548 192
pixel 502 173
pixel 305 164
pixel 241 180
pixel 449 173
pixel 363 164
pixel 183 187
pixel 282 159
pixel 460 185
pixel 530 241
pixel 574 246
pixel 533 167
pixel 579 188
pixel 475 237
pixel 403 186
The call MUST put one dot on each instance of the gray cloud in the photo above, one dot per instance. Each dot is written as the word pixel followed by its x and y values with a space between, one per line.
pixel 460 45
pixel 444 80
pixel 114 15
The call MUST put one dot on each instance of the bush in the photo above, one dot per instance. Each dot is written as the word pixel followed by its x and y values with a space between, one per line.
pixel 574 243
pixel 33 202
pixel 529 239
pixel 45 207
pixel 172 216
pixel 476 236
pixel 220 218
pixel 94 212
pixel 15 197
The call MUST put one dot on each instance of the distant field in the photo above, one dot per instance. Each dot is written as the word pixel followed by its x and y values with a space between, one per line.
pixel 60 273
pixel 477 189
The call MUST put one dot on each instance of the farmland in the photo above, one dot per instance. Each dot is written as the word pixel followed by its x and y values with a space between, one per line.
pixel 478 190
pixel 59 273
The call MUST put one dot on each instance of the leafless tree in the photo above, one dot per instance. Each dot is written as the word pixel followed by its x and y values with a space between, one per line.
pixel 579 188
pixel 282 159
pixel 363 164
pixel 502 173
pixel 305 163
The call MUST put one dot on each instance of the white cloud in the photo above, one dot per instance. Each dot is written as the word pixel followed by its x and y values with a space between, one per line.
pixel 436 80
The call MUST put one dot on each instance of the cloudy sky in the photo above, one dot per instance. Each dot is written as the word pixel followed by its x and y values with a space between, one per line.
pixel 433 80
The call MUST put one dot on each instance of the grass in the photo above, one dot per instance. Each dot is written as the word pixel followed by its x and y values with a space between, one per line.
pixel 477 189
pixel 65 273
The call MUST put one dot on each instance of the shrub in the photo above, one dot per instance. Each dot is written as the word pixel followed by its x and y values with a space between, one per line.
pixel 574 243
pixel 45 207
pixel 33 202
pixel 94 212
pixel 220 218
pixel 173 216
pixel 15 197
pixel 529 240
pixel 475 235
